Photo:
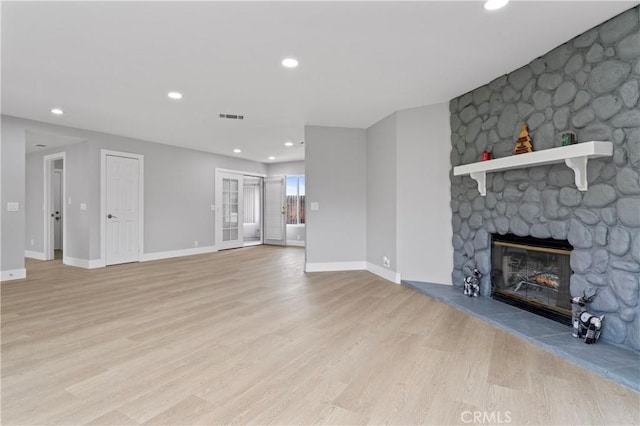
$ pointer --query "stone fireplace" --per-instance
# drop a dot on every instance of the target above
(589, 85)
(532, 273)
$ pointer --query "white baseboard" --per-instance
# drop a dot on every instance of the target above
(295, 243)
(96, 263)
(335, 266)
(13, 274)
(392, 276)
(83, 263)
(387, 274)
(146, 257)
(38, 255)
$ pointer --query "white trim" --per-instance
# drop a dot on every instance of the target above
(38, 255)
(240, 172)
(96, 263)
(48, 168)
(83, 263)
(387, 274)
(297, 243)
(335, 266)
(13, 274)
(103, 201)
(251, 243)
(281, 179)
(146, 257)
(574, 156)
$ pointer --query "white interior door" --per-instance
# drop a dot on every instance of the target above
(274, 211)
(57, 209)
(229, 210)
(122, 208)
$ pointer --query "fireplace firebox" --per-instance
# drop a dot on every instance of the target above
(533, 274)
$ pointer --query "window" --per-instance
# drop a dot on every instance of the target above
(295, 200)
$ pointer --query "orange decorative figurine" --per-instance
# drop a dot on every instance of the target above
(523, 144)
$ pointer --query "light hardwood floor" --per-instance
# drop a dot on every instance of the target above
(244, 336)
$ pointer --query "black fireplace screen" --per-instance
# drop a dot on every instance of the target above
(532, 271)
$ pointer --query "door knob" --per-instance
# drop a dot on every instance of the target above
(110, 216)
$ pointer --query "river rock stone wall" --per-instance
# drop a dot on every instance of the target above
(589, 85)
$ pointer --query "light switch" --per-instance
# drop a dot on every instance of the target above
(213, 207)
(13, 207)
(315, 206)
(69, 200)
(83, 206)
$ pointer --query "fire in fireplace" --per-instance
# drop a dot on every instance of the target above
(533, 274)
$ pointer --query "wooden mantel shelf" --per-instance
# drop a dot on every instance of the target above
(574, 156)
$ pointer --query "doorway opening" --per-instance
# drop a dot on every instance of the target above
(55, 228)
(240, 209)
(296, 194)
(252, 210)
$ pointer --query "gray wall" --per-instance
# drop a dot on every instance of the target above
(588, 85)
(33, 204)
(398, 194)
(12, 174)
(287, 168)
(179, 190)
(335, 167)
(381, 191)
(425, 252)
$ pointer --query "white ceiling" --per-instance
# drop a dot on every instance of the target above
(109, 65)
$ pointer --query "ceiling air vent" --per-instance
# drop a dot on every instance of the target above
(39, 145)
(232, 116)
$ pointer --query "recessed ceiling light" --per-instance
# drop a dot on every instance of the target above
(272, 158)
(57, 111)
(288, 144)
(237, 151)
(174, 95)
(290, 63)
(495, 4)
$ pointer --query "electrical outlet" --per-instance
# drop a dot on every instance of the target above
(195, 244)
(33, 242)
(386, 262)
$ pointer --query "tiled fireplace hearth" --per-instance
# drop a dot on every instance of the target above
(591, 86)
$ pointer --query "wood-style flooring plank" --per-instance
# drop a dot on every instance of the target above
(246, 337)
